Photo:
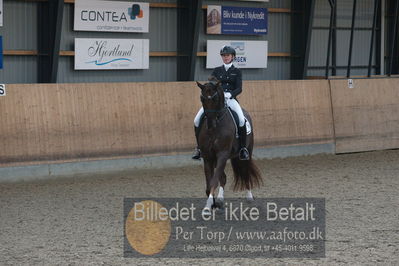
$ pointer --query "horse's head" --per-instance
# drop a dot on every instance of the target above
(212, 96)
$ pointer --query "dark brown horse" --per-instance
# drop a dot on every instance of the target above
(218, 143)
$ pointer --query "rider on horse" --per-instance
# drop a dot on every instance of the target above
(231, 82)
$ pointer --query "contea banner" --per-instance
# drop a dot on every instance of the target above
(236, 20)
(111, 53)
(249, 54)
(91, 15)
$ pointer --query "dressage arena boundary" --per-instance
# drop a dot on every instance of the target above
(88, 168)
(76, 122)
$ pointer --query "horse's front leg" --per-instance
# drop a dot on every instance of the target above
(208, 169)
(220, 198)
(218, 175)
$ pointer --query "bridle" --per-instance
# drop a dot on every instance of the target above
(220, 113)
(209, 97)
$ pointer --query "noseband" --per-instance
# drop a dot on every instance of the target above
(209, 97)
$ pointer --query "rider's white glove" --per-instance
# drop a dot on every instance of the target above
(227, 95)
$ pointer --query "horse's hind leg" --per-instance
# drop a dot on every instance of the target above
(250, 197)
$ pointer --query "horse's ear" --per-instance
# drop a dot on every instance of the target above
(200, 85)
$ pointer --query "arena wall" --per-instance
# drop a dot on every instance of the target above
(46, 122)
(289, 112)
(71, 122)
(366, 114)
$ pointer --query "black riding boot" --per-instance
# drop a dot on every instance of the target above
(244, 154)
(197, 151)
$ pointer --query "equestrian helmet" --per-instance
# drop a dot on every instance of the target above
(228, 50)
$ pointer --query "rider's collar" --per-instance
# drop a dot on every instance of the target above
(227, 66)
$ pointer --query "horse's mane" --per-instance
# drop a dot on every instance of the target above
(213, 80)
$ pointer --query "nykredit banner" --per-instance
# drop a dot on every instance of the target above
(249, 54)
(111, 53)
(91, 15)
(236, 20)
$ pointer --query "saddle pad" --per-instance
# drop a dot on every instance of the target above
(249, 129)
(236, 120)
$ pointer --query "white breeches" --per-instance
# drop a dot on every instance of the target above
(197, 118)
(233, 104)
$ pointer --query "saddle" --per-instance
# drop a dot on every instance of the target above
(236, 122)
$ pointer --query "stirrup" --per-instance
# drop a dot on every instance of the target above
(244, 154)
(197, 154)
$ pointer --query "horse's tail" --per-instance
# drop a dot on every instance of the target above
(246, 174)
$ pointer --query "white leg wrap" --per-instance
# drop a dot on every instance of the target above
(221, 193)
(249, 195)
(209, 202)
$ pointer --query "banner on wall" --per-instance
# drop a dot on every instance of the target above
(249, 54)
(1, 52)
(236, 20)
(111, 54)
(93, 15)
(1, 13)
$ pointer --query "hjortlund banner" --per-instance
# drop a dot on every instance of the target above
(111, 53)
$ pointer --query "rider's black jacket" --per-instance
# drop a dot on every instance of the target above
(231, 79)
